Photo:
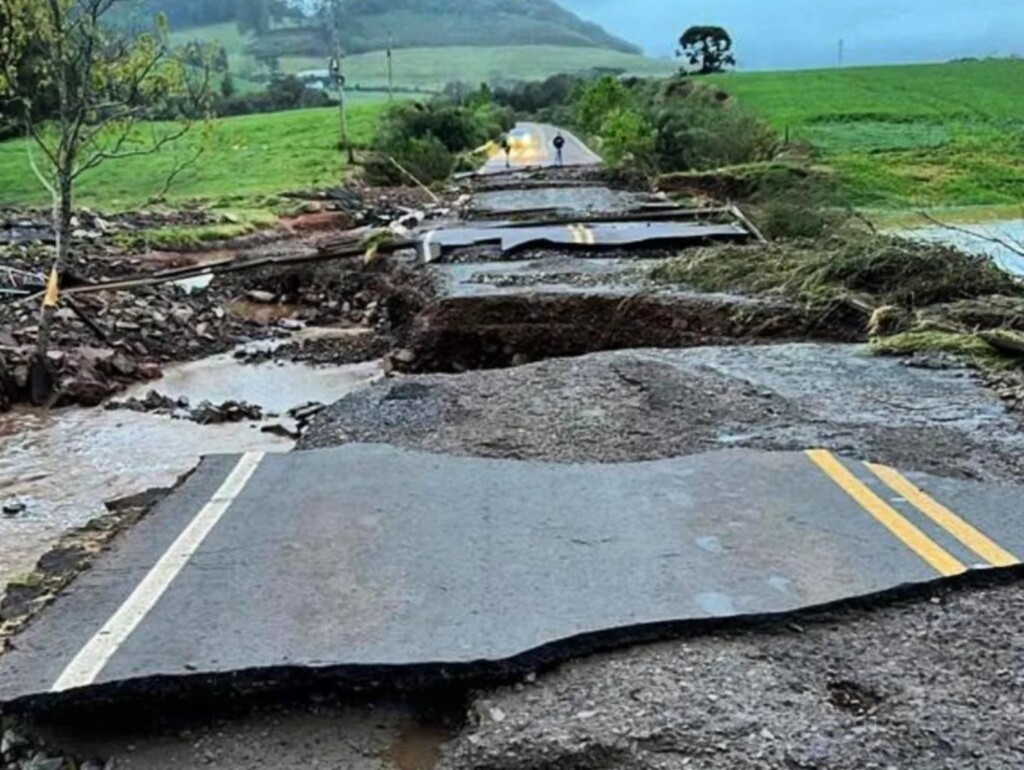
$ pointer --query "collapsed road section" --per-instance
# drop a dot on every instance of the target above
(370, 560)
(625, 496)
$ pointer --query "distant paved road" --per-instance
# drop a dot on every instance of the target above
(532, 146)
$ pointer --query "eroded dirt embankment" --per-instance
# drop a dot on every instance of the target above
(464, 333)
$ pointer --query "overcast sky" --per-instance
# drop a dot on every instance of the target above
(806, 33)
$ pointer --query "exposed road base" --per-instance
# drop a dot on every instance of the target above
(500, 326)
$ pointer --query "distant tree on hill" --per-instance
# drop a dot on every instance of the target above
(227, 86)
(707, 48)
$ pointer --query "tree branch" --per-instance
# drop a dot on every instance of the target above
(1017, 247)
(116, 154)
(35, 169)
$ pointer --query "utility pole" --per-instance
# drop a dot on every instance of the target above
(391, 72)
(842, 45)
(338, 74)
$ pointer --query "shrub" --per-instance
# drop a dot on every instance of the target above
(627, 139)
(696, 130)
(599, 99)
(287, 93)
(427, 139)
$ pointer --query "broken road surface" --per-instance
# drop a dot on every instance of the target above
(491, 522)
(373, 559)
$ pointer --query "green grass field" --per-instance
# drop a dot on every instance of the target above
(904, 137)
(248, 156)
(433, 68)
(900, 138)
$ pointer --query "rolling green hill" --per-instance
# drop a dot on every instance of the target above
(908, 136)
(900, 138)
(433, 68)
(367, 25)
(372, 25)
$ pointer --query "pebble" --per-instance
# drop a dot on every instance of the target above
(14, 507)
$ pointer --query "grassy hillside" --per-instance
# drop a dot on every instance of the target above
(433, 68)
(368, 24)
(904, 137)
(249, 155)
(901, 138)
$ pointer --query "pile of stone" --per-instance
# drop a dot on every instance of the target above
(206, 413)
(84, 375)
(87, 226)
(19, 752)
(117, 338)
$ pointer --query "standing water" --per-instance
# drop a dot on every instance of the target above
(1009, 255)
(65, 464)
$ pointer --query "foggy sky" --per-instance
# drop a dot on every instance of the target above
(805, 33)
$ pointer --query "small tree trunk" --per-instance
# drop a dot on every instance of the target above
(62, 226)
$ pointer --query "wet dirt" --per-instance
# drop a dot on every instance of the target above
(375, 736)
(418, 747)
(484, 332)
(262, 312)
(65, 464)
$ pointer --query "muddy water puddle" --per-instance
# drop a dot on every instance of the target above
(65, 464)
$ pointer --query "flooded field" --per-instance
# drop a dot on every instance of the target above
(1007, 254)
(64, 464)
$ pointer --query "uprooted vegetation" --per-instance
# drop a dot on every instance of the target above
(878, 269)
(914, 297)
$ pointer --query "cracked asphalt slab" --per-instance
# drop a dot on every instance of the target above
(447, 566)
(930, 682)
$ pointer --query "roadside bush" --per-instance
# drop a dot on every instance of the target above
(425, 157)
(697, 130)
(428, 139)
(627, 139)
(693, 127)
(596, 101)
(287, 93)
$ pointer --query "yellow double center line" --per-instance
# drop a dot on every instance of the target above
(582, 235)
(906, 532)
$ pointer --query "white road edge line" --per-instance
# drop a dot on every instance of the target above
(89, 662)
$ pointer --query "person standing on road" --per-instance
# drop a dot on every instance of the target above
(506, 147)
(559, 146)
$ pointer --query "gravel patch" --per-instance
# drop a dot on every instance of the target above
(638, 405)
(931, 684)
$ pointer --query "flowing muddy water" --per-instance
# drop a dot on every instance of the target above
(65, 464)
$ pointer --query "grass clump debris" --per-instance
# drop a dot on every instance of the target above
(879, 270)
